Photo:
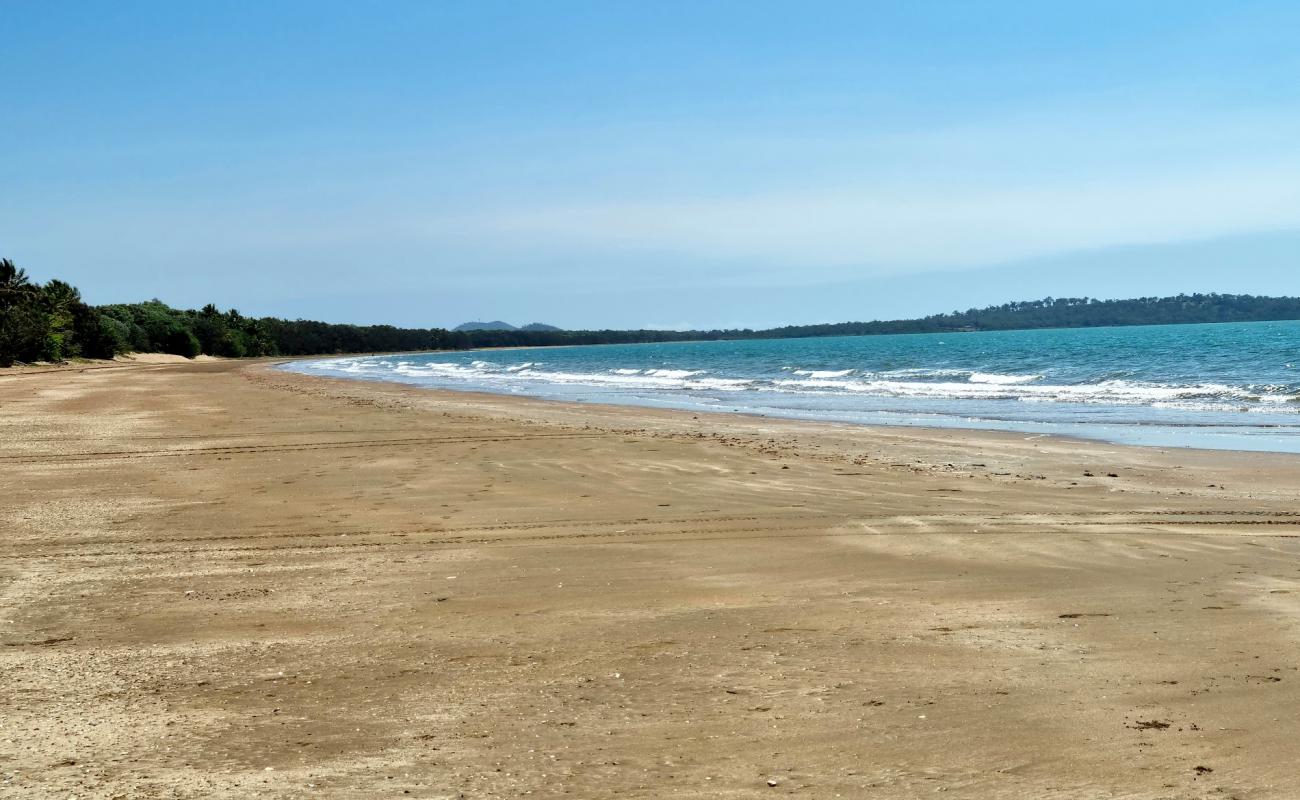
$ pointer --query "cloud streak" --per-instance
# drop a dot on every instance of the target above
(945, 223)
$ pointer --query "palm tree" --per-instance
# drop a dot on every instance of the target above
(60, 294)
(13, 280)
(22, 323)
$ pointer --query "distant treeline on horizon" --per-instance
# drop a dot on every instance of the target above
(50, 322)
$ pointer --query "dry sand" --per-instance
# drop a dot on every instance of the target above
(217, 580)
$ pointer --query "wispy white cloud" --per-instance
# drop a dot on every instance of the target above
(944, 223)
(1084, 174)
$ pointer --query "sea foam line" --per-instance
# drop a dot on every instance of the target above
(977, 386)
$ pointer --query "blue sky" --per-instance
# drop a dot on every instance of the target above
(649, 164)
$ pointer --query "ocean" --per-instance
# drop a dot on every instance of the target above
(1222, 386)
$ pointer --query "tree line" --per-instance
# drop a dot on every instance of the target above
(1071, 312)
(50, 322)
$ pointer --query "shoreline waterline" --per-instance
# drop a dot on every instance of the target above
(1231, 388)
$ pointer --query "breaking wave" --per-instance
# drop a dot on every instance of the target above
(940, 384)
(1237, 385)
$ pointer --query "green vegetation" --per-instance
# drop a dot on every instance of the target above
(1072, 312)
(46, 323)
(51, 323)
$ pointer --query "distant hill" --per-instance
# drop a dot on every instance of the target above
(497, 325)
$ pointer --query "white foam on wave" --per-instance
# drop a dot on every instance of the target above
(1209, 396)
(433, 368)
(923, 372)
(650, 379)
(820, 383)
(725, 384)
(485, 373)
(825, 373)
(1001, 380)
(910, 383)
(351, 366)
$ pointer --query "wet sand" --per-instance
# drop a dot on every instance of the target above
(218, 580)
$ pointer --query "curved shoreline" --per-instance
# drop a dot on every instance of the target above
(1272, 438)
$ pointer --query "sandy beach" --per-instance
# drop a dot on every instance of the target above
(221, 580)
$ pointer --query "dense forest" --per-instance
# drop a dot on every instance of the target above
(50, 322)
(1071, 312)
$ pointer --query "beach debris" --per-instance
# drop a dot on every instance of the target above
(773, 782)
(1149, 725)
(40, 642)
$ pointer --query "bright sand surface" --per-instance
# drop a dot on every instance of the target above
(218, 580)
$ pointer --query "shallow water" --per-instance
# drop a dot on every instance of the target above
(1228, 386)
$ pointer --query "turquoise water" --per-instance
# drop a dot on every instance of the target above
(1233, 386)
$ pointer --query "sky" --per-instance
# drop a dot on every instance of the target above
(649, 164)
